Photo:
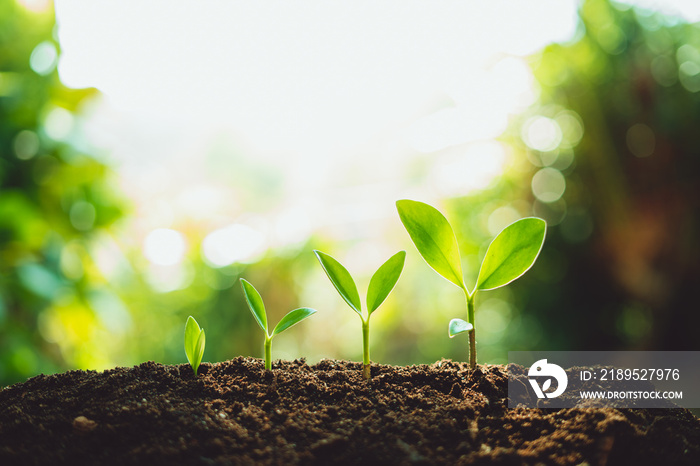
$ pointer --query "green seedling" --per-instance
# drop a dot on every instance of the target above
(194, 343)
(257, 308)
(510, 255)
(381, 284)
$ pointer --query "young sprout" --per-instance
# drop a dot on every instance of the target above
(381, 284)
(257, 308)
(510, 254)
(194, 343)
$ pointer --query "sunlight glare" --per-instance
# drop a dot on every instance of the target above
(302, 74)
(167, 278)
(338, 95)
(464, 170)
(482, 102)
(201, 202)
(293, 225)
(36, 6)
(164, 246)
(234, 243)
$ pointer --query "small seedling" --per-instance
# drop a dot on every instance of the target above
(194, 343)
(257, 308)
(381, 284)
(510, 255)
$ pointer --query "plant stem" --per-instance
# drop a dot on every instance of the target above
(268, 353)
(365, 349)
(472, 334)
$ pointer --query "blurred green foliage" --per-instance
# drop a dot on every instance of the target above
(76, 290)
(621, 260)
(609, 157)
(53, 200)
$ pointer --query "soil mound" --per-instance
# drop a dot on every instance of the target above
(235, 412)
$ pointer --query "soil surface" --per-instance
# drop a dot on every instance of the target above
(235, 412)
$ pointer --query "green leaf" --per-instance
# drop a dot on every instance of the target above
(458, 326)
(384, 280)
(191, 334)
(194, 343)
(341, 279)
(511, 253)
(199, 351)
(255, 303)
(433, 237)
(292, 318)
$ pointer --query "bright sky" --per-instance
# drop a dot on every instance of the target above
(317, 90)
(297, 75)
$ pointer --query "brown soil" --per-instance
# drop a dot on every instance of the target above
(236, 413)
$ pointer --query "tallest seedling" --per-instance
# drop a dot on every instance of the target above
(509, 255)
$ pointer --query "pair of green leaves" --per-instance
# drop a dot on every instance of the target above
(195, 340)
(257, 308)
(510, 254)
(380, 285)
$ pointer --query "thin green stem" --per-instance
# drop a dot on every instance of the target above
(365, 348)
(472, 334)
(268, 353)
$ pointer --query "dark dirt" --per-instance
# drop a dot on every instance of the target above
(236, 413)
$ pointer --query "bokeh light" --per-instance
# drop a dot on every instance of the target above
(164, 247)
(542, 134)
(641, 140)
(548, 185)
(44, 58)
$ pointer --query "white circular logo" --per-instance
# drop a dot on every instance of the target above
(542, 369)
